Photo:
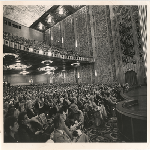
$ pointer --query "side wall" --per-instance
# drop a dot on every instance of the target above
(25, 32)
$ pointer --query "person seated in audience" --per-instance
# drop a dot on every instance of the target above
(37, 105)
(12, 112)
(73, 102)
(21, 107)
(30, 112)
(112, 103)
(25, 133)
(10, 129)
(62, 133)
(78, 117)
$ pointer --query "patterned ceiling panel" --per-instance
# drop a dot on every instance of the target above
(24, 14)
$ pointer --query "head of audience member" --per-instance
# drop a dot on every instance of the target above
(21, 107)
(6, 106)
(74, 100)
(75, 109)
(63, 111)
(59, 122)
(17, 105)
(23, 118)
(12, 112)
(11, 125)
(29, 104)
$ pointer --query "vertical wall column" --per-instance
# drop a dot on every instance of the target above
(75, 33)
(93, 44)
(62, 33)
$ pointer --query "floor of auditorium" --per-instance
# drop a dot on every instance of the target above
(108, 132)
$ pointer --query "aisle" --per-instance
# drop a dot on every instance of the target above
(105, 133)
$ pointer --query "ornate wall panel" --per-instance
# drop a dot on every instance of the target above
(68, 34)
(143, 24)
(103, 47)
(69, 76)
(56, 37)
(127, 41)
(86, 73)
(136, 20)
(47, 37)
(83, 32)
(110, 38)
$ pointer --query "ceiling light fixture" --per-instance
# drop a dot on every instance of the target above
(18, 66)
(40, 26)
(49, 72)
(18, 61)
(24, 72)
(61, 10)
(47, 68)
(46, 61)
(49, 19)
(8, 54)
(75, 64)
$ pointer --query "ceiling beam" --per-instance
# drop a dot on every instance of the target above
(51, 10)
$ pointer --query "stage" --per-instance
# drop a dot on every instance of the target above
(132, 115)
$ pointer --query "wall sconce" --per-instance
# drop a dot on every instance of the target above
(78, 75)
(95, 73)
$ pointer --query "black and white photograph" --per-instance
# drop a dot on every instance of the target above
(74, 73)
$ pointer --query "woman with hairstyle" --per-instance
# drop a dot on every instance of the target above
(11, 128)
(12, 112)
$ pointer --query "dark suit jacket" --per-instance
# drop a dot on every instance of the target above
(30, 114)
(25, 134)
(61, 138)
(10, 139)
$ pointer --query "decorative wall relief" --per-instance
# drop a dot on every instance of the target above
(110, 38)
(125, 32)
(83, 32)
(56, 36)
(68, 34)
(127, 40)
(103, 47)
(138, 30)
(47, 37)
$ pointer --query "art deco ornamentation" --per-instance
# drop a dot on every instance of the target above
(102, 43)
(56, 33)
(83, 32)
(68, 34)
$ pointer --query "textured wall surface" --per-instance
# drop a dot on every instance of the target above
(102, 45)
(127, 42)
(20, 79)
(110, 34)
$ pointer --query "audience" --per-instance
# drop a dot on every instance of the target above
(68, 109)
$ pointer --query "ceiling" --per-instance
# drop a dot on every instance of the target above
(24, 14)
(39, 17)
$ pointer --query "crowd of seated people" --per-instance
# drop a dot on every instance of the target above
(56, 113)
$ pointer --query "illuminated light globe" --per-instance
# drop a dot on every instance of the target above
(75, 64)
(24, 72)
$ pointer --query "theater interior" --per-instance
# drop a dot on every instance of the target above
(74, 73)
